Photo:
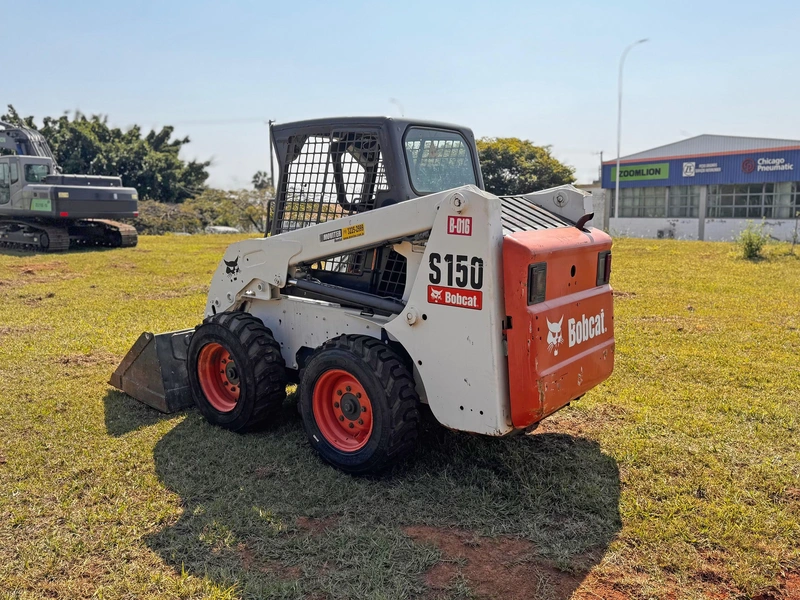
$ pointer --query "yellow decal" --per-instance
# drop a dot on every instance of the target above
(63, 194)
(352, 231)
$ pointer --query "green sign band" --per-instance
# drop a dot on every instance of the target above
(641, 172)
(41, 204)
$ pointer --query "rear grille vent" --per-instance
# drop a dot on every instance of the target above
(520, 214)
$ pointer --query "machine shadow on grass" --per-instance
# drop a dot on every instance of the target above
(263, 514)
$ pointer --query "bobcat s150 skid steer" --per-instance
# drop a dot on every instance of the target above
(390, 278)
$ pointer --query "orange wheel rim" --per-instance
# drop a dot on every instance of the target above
(219, 377)
(342, 410)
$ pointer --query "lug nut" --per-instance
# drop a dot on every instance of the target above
(339, 392)
(341, 418)
(361, 421)
(351, 425)
(348, 388)
(363, 409)
(335, 405)
(358, 395)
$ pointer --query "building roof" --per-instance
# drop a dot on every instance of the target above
(710, 145)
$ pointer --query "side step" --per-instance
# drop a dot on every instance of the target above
(154, 371)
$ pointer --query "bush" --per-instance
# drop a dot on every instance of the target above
(157, 218)
(752, 240)
(242, 209)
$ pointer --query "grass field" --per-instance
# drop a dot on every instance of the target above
(677, 478)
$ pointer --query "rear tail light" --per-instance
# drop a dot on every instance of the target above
(603, 267)
(136, 213)
(537, 283)
(63, 214)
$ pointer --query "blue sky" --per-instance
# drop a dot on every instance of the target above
(545, 71)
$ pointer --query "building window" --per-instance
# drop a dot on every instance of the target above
(785, 202)
(684, 201)
(648, 202)
(754, 201)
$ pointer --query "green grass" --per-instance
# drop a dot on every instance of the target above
(679, 476)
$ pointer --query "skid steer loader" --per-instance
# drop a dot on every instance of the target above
(390, 278)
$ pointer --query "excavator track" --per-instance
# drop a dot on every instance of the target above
(24, 235)
(48, 237)
(128, 237)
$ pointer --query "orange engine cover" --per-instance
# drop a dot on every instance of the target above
(560, 348)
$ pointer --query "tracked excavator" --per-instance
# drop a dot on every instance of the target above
(43, 209)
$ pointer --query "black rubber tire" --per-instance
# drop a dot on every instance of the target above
(390, 387)
(260, 364)
(44, 241)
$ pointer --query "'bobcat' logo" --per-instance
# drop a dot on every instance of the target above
(436, 294)
(554, 337)
(231, 268)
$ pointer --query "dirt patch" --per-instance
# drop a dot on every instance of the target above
(125, 266)
(501, 567)
(39, 273)
(317, 526)
(624, 295)
(169, 294)
(100, 357)
(579, 423)
(787, 589)
(272, 567)
(271, 471)
(9, 330)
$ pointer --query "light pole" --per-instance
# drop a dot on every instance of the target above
(619, 120)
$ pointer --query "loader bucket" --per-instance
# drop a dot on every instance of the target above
(154, 371)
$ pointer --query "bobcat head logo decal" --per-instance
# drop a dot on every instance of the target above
(554, 337)
(231, 268)
(436, 294)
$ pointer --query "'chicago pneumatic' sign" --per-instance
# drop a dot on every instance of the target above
(766, 164)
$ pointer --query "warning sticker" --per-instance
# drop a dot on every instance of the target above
(448, 296)
(337, 235)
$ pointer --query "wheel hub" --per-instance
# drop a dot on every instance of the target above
(342, 410)
(351, 408)
(219, 377)
(231, 373)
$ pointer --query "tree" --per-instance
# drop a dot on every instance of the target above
(148, 162)
(512, 166)
(261, 180)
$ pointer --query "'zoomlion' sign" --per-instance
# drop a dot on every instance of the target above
(641, 172)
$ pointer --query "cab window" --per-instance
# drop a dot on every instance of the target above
(5, 191)
(36, 173)
(438, 160)
(14, 169)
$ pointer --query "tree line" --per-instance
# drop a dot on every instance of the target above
(174, 192)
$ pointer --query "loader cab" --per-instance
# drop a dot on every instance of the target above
(333, 168)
